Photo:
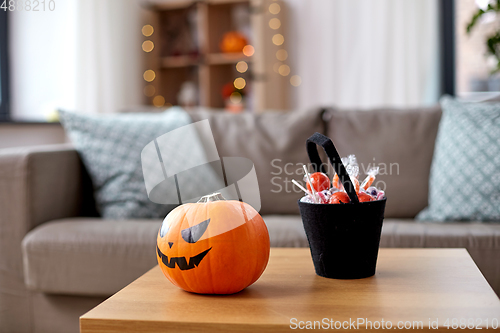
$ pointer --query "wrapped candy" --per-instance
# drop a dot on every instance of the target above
(380, 195)
(372, 191)
(319, 191)
(370, 178)
(336, 183)
(307, 198)
(322, 198)
(351, 165)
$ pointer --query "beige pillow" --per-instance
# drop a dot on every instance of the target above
(401, 140)
(271, 140)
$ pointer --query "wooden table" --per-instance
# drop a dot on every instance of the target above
(411, 287)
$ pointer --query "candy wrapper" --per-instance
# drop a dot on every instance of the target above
(318, 189)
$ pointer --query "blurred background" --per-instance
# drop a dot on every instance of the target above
(107, 56)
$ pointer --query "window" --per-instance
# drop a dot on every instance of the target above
(4, 74)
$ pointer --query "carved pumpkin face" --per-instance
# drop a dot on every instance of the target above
(214, 247)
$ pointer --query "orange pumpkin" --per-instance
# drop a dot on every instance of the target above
(214, 246)
(232, 42)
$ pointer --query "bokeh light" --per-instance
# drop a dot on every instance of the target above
(274, 8)
(235, 97)
(239, 83)
(148, 46)
(248, 50)
(149, 90)
(276, 66)
(241, 66)
(159, 101)
(147, 30)
(281, 55)
(149, 75)
(274, 23)
(295, 80)
(284, 70)
(278, 39)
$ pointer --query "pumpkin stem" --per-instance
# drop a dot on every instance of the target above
(211, 197)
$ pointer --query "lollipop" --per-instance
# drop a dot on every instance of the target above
(319, 181)
(339, 197)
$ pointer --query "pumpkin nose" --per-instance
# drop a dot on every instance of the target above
(170, 244)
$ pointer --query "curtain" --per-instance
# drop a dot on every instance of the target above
(108, 57)
(364, 53)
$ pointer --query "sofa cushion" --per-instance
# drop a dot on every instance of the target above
(86, 256)
(465, 175)
(110, 147)
(274, 142)
(400, 142)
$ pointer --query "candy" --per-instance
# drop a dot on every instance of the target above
(336, 183)
(368, 181)
(319, 191)
(326, 194)
(333, 190)
(372, 191)
(364, 197)
(319, 181)
(307, 199)
(322, 198)
(380, 195)
(351, 165)
(339, 197)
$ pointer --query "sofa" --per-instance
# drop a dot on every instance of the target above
(59, 259)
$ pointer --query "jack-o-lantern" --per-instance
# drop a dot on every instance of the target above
(214, 246)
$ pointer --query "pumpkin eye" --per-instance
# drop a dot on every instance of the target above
(194, 233)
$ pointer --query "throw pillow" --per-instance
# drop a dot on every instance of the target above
(465, 174)
(110, 147)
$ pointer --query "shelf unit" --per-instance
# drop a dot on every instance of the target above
(200, 59)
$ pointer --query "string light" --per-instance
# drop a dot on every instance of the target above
(284, 70)
(149, 90)
(235, 97)
(239, 83)
(159, 101)
(241, 66)
(248, 50)
(278, 39)
(281, 55)
(274, 8)
(295, 80)
(147, 30)
(148, 46)
(274, 23)
(149, 75)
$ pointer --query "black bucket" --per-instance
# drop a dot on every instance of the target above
(344, 238)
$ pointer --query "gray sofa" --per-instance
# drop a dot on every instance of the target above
(59, 259)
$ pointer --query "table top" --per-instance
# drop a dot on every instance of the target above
(412, 287)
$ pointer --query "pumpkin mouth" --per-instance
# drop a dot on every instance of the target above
(181, 262)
